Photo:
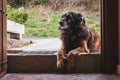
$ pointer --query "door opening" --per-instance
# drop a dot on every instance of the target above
(109, 31)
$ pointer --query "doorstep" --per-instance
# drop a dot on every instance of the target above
(46, 63)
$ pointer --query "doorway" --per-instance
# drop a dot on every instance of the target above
(43, 22)
(109, 59)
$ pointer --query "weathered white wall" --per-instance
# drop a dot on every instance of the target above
(15, 27)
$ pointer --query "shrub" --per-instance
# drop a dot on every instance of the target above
(9, 8)
(13, 2)
(18, 16)
(26, 2)
(58, 4)
(87, 4)
(41, 1)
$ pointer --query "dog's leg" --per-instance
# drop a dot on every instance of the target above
(61, 61)
(70, 60)
(85, 46)
(71, 57)
(96, 45)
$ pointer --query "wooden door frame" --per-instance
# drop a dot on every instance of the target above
(109, 33)
(3, 51)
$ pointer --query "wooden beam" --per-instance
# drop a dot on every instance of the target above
(3, 51)
(109, 30)
(1, 25)
(4, 35)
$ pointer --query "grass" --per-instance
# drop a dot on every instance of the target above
(93, 24)
(43, 22)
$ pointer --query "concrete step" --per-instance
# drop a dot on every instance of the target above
(46, 63)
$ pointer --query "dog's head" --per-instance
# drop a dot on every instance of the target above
(71, 22)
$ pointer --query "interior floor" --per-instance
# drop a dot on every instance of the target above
(33, 76)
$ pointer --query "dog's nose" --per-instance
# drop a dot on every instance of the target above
(61, 23)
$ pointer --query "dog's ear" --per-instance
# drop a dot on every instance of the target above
(81, 18)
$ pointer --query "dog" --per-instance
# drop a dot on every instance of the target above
(77, 38)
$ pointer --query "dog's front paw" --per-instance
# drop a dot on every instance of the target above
(70, 62)
(87, 50)
(70, 65)
(61, 65)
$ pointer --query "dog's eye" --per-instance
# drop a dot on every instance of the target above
(80, 19)
(68, 16)
(63, 15)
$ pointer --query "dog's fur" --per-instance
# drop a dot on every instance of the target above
(77, 38)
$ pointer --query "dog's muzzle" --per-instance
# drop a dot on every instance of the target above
(63, 25)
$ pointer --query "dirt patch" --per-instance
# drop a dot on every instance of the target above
(13, 43)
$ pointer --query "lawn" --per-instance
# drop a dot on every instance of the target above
(44, 22)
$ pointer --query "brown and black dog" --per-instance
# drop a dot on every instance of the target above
(77, 38)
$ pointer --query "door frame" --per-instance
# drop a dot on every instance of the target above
(3, 45)
(109, 34)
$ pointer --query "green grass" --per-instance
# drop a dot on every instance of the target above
(43, 26)
(90, 21)
(43, 22)
(31, 25)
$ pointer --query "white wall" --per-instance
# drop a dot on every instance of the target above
(15, 27)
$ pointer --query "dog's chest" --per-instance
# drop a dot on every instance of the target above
(72, 44)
